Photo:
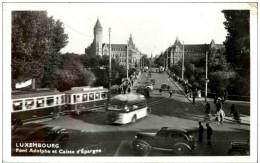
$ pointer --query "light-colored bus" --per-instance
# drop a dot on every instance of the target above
(80, 99)
(127, 108)
(31, 105)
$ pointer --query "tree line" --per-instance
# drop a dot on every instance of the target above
(36, 43)
(227, 70)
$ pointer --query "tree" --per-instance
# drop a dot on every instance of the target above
(36, 40)
(237, 41)
(237, 45)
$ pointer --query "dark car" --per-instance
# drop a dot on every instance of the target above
(40, 133)
(239, 149)
(177, 140)
(164, 87)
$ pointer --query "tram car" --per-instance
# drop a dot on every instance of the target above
(81, 99)
(29, 105)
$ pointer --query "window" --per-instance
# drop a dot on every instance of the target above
(85, 97)
(68, 99)
(177, 136)
(103, 95)
(17, 105)
(74, 98)
(40, 102)
(91, 96)
(161, 134)
(50, 101)
(62, 99)
(29, 103)
(57, 100)
(78, 98)
(97, 96)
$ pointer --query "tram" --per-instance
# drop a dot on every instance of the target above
(29, 105)
(81, 99)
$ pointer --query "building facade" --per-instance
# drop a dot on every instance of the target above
(195, 51)
(119, 52)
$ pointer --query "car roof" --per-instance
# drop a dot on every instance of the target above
(173, 130)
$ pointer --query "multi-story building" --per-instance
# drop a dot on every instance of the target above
(196, 51)
(119, 52)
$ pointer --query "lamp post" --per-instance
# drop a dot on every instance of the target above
(109, 86)
(182, 74)
(127, 61)
(206, 80)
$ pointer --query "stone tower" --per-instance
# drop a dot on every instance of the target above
(98, 31)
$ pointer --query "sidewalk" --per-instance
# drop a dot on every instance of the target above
(244, 119)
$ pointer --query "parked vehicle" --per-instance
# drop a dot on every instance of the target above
(146, 68)
(141, 89)
(153, 81)
(81, 99)
(177, 140)
(239, 149)
(164, 87)
(161, 69)
(127, 108)
(31, 105)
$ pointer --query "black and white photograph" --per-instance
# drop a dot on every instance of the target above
(128, 82)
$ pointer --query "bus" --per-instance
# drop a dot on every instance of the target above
(127, 108)
(161, 69)
(29, 105)
(81, 99)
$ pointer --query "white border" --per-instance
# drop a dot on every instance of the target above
(8, 7)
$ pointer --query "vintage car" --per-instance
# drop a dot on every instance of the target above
(239, 149)
(179, 141)
(39, 133)
(164, 87)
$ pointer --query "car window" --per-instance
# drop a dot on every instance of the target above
(161, 134)
(177, 136)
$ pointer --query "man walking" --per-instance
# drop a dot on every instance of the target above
(201, 131)
(170, 94)
(209, 133)
(193, 97)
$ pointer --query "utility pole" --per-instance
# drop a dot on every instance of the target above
(206, 80)
(110, 76)
(167, 59)
(182, 74)
(127, 61)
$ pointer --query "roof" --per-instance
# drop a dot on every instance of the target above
(98, 25)
(174, 129)
(131, 97)
(196, 47)
(34, 93)
(86, 90)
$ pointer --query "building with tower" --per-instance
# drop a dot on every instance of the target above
(195, 51)
(119, 52)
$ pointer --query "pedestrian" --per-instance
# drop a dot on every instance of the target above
(160, 90)
(170, 94)
(222, 116)
(232, 109)
(168, 87)
(193, 97)
(207, 107)
(119, 90)
(199, 93)
(215, 99)
(201, 131)
(217, 117)
(218, 105)
(209, 133)
(236, 116)
(128, 89)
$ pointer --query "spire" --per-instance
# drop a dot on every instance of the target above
(131, 40)
(177, 39)
(212, 44)
(98, 25)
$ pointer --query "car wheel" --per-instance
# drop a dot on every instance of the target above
(133, 119)
(236, 153)
(180, 149)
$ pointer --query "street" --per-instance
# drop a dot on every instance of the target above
(90, 131)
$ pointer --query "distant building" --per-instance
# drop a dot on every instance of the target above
(118, 51)
(196, 51)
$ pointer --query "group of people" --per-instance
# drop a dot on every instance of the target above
(201, 132)
(220, 114)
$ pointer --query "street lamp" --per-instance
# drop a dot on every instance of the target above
(206, 80)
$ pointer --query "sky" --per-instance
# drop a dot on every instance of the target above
(154, 26)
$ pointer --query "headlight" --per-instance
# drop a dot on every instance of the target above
(191, 137)
(135, 136)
